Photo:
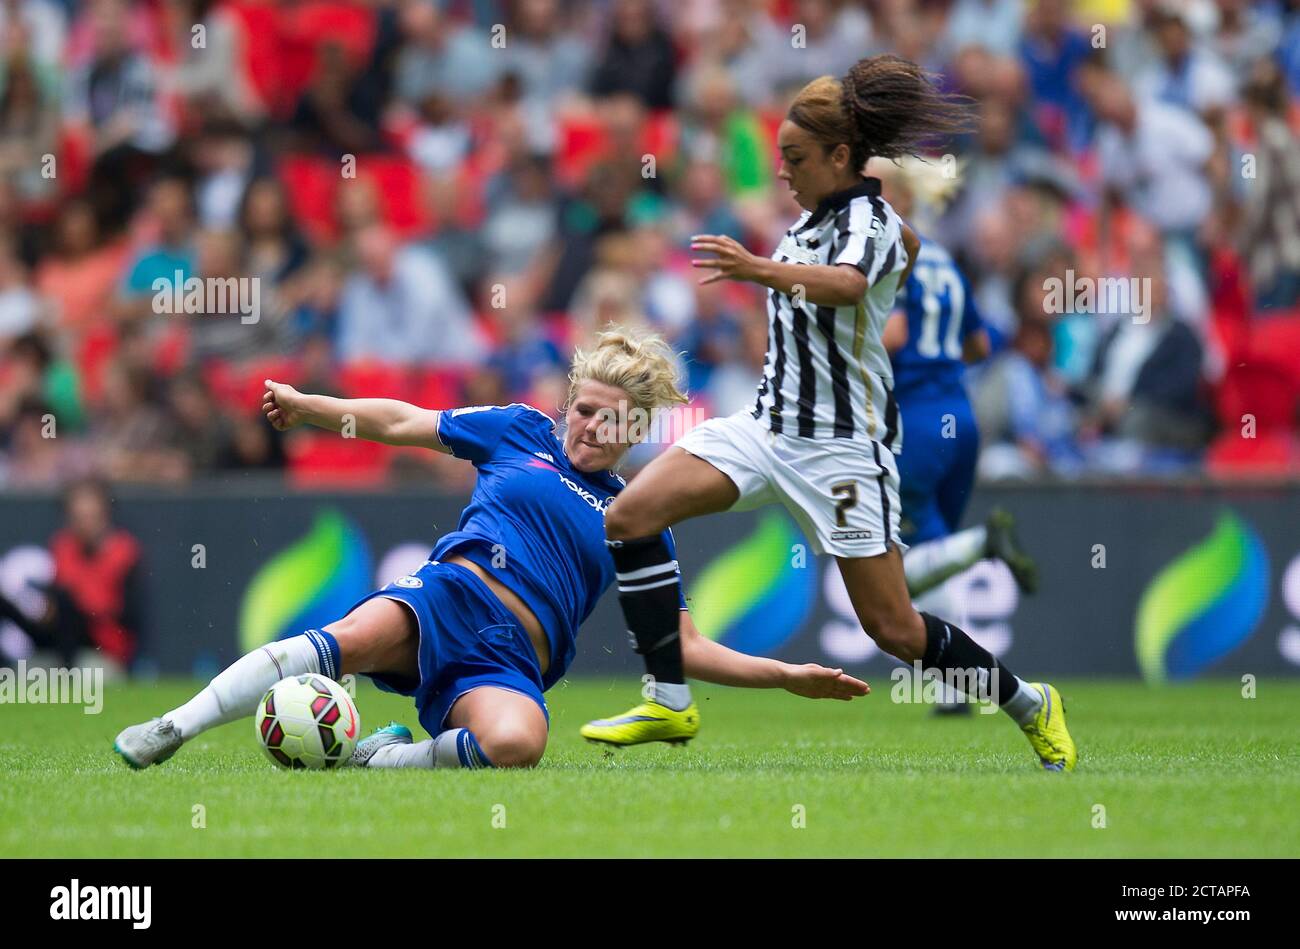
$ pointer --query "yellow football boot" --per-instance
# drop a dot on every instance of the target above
(649, 721)
(1048, 734)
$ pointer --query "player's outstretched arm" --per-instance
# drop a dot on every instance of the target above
(713, 662)
(389, 421)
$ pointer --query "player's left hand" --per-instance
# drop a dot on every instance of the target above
(731, 260)
(817, 682)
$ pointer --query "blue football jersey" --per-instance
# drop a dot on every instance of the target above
(534, 521)
(941, 313)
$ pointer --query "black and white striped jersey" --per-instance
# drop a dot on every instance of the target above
(827, 374)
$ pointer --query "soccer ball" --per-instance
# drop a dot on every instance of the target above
(307, 721)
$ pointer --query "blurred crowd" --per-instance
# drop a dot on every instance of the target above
(438, 199)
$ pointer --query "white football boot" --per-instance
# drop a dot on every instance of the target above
(151, 742)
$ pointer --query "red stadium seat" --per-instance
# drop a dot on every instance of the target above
(371, 380)
(75, 154)
(401, 192)
(1275, 453)
(662, 134)
(324, 459)
(301, 28)
(253, 376)
(238, 388)
(261, 43)
(94, 352)
(310, 182)
(1276, 338)
(437, 388)
(1266, 390)
(581, 140)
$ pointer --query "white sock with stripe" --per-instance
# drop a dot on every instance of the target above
(235, 692)
(454, 748)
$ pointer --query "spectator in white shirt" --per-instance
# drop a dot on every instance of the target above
(402, 306)
(1186, 74)
(1153, 155)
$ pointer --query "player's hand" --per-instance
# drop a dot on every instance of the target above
(817, 682)
(282, 405)
(730, 261)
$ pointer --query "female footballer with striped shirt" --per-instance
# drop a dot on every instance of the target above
(822, 435)
(489, 623)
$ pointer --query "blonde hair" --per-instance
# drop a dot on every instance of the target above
(931, 184)
(641, 364)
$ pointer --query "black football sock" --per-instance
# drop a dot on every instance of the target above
(649, 591)
(960, 659)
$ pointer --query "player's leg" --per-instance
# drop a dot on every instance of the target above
(941, 601)
(851, 499)
(878, 591)
(675, 486)
(379, 635)
(936, 472)
(488, 727)
(715, 467)
(947, 551)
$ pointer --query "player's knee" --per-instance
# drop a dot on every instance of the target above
(349, 633)
(901, 633)
(512, 746)
(624, 522)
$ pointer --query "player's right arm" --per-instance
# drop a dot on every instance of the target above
(711, 661)
(389, 421)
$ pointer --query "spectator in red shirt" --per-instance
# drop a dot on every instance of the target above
(94, 601)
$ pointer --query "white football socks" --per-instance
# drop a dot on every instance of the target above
(234, 693)
(928, 564)
(673, 695)
(454, 748)
(420, 754)
(1023, 706)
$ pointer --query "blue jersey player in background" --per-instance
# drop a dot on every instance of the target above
(478, 633)
(931, 337)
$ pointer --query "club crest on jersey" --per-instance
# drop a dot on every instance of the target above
(411, 583)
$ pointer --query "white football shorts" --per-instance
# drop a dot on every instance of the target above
(842, 492)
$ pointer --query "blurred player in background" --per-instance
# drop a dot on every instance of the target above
(935, 332)
(478, 633)
(821, 437)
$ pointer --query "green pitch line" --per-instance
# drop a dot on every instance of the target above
(1181, 772)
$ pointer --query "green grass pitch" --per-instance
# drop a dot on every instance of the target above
(1185, 771)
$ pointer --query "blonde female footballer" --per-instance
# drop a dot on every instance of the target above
(478, 633)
